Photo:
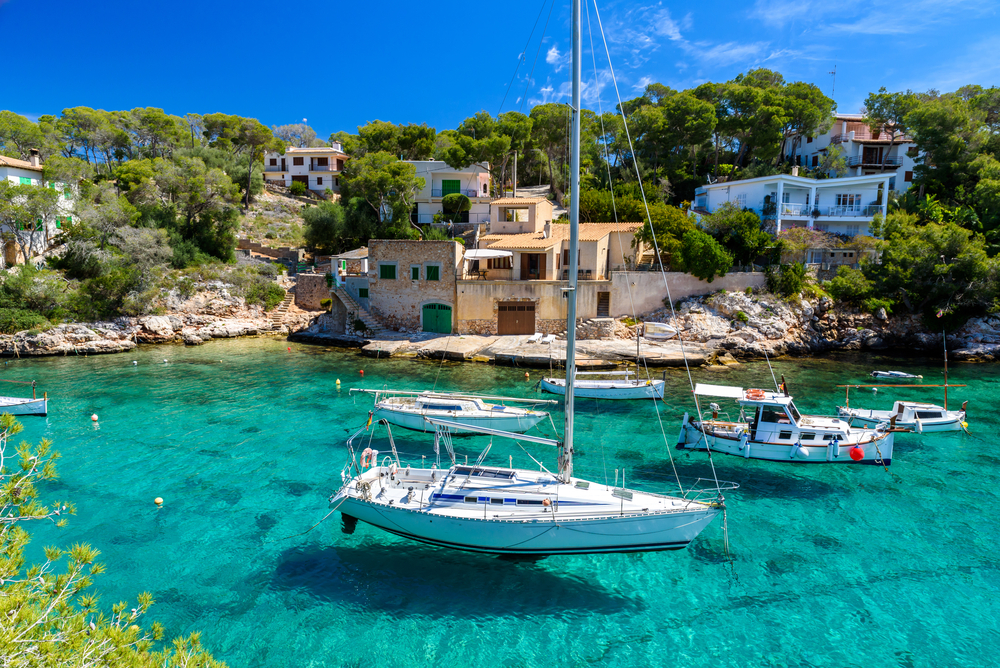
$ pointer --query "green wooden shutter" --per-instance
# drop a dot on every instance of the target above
(433, 273)
(362, 293)
(450, 186)
(25, 181)
(415, 274)
(387, 271)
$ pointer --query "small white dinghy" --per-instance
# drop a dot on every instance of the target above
(408, 409)
(627, 388)
(912, 415)
(658, 331)
(23, 405)
(895, 375)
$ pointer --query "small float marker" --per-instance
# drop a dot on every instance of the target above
(165, 362)
(289, 350)
(134, 363)
(94, 417)
(526, 376)
(362, 373)
(158, 501)
(338, 382)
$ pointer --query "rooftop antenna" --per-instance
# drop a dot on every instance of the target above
(833, 89)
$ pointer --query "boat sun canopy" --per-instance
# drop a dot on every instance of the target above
(729, 391)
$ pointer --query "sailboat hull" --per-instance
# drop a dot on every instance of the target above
(517, 423)
(606, 389)
(19, 406)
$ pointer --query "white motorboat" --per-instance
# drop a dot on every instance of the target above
(520, 511)
(895, 375)
(627, 388)
(23, 405)
(770, 427)
(658, 331)
(408, 409)
(911, 415)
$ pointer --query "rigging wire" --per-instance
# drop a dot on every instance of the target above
(521, 57)
(524, 96)
(659, 258)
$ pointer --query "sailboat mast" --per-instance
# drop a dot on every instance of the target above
(944, 338)
(574, 244)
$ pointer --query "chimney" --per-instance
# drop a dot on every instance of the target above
(795, 170)
(34, 158)
(547, 230)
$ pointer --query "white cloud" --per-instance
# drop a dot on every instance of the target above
(641, 84)
(666, 26)
(553, 56)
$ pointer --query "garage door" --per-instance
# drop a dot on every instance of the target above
(516, 318)
(437, 318)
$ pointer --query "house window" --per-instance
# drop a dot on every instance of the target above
(319, 180)
(322, 162)
(340, 165)
(849, 202)
(298, 161)
(786, 198)
(362, 293)
(853, 230)
(433, 272)
(336, 182)
(907, 176)
(741, 200)
(809, 140)
(387, 271)
(815, 161)
(414, 273)
(25, 181)
(273, 162)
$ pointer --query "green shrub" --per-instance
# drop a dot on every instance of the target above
(849, 286)
(297, 188)
(742, 317)
(266, 293)
(786, 280)
(749, 290)
(326, 304)
(360, 326)
(873, 304)
(13, 320)
(703, 257)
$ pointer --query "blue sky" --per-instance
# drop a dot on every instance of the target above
(341, 64)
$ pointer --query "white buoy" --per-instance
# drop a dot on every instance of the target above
(134, 363)
(165, 361)
(158, 501)
(94, 417)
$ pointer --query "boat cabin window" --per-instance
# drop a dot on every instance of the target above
(794, 412)
(784, 435)
(492, 500)
(807, 437)
(774, 415)
(441, 407)
(472, 499)
(507, 474)
(529, 502)
(925, 415)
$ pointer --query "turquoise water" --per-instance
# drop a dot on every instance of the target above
(831, 566)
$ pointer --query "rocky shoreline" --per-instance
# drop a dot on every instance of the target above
(725, 326)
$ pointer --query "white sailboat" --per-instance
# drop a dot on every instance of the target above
(770, 427)
(910, 415)
(23, 405)
(501, 510)
(626, 388)
(409, 409)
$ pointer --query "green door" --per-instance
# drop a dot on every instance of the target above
(449, 187)
(437, 318)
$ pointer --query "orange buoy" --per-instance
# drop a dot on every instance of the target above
(362, 372)
(526, 375)
(857, 454)
(94, 417)
(289, 350)
(158, 501)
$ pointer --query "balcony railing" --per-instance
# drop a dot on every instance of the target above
(438, 192)
(854, 210)
(488, 274)
(856, 160)
(792, 209)
(323, 168)
(274, 168)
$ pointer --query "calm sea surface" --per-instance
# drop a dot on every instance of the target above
(831, 566)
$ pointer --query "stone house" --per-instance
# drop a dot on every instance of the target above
(318, 168)
(411, 284)
(35, 236)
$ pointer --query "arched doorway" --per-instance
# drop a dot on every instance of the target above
(437, 318)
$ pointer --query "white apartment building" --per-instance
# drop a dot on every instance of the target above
(36, 235)
(863, 150)
(318, 167)
(841, 206)
(440, 180)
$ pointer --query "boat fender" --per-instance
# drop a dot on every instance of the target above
(836, 447)
(857, 454)
(795, 450)
(804, 453)
(920, 426)
(745, 445)
(366, 457)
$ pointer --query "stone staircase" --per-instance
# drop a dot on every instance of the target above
(375, 328)
(277, 316)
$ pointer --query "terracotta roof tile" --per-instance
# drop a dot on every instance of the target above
(560, 232)
(519, 200)
(20, 164)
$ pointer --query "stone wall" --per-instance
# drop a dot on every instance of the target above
(310, 290)
(283, 253)
(398, 302)
(645, 289)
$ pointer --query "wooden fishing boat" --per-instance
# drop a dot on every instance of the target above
(23, 405)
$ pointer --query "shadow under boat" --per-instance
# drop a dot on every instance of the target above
(406, 579)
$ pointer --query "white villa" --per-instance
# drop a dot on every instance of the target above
(39, 234)
(863, 150)
(842, 206)
(318, 167)
(440, 180)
